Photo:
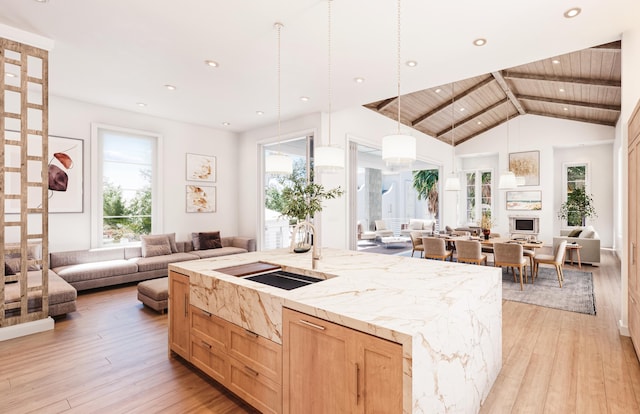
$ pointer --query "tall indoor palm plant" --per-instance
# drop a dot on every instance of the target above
(425, 182)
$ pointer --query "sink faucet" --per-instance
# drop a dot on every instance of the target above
(309, 228)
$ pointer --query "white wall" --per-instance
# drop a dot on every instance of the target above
(529, 133)
(69, 118)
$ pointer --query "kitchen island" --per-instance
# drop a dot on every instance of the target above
(445, 318)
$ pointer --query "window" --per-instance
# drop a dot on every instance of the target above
(575, 175)
(479, 196)
(125, 175)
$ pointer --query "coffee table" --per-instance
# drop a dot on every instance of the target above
(387, 241)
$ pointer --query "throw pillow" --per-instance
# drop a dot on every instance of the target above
(587, 234)
(155, 246)
(171, 237)
(206, 240)
(8, 272)
(415, 225)
(574, 233)
(34, 252)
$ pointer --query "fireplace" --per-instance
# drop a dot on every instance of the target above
(524, 225)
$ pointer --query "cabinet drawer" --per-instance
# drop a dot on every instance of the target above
(209, 327)
(255, 388)
(257, 353)
(211, 360)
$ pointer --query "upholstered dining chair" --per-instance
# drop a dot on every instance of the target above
(416, 241)
(510, 255)
(556, 260)
(435, 248)
(470, 251)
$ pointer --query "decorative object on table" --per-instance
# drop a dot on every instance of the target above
(486, 222)
(578, 207)
(201, 199)
(527, 165)
(524, 200)
(201, 168)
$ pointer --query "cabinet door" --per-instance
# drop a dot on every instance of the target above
(379, 370)
(316, 374)
(179, 337)
(633, 214)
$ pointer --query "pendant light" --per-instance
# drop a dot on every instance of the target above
(453, 181)
(507, 178)
(328, 158)
(278, 163)
(399, 150)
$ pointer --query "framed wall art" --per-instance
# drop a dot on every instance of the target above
(201, 168)
(524, 200)
(527, 165)
(201, 199)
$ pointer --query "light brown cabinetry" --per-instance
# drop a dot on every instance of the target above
(329, 368)
(634, 226)
(179, 336)
(247, 364)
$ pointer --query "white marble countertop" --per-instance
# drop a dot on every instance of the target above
(447, 316)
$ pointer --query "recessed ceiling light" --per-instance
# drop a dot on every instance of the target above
(211, 63)
(358, 80)
(259, 113)
(41, 1)
(411, 63)
(565, 109)
(11, 75)
(480, 42)
(438, 90)
(304, 98)
(561, 90)
(479, 122)
(461, 109)
(572, 12)
(555, 61)
(170, 87)
(141, 104)
(226, 123)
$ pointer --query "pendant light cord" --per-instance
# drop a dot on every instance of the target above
(398, 63)
(329, 62)
(279, 28)
(453, 134)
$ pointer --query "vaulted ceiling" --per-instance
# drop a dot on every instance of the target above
(580, 86)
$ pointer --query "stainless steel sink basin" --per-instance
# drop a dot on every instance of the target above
(283, 280)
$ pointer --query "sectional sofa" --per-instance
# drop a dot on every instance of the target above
(588, 239)
(89, 269)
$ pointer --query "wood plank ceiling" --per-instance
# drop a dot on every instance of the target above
(580, 86)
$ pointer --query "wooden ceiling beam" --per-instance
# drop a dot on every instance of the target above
(615, 108)
(459, 96)
(385, 103)
(573, 118)
(471, 117)
(613, 46)
(482, 131)
(507, 90)
(566, 79)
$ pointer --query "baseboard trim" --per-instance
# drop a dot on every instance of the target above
(624, 329)
(27, 328)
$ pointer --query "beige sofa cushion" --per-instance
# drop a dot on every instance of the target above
(95, 270)
(145, 264)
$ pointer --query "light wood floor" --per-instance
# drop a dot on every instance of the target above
(111, 357)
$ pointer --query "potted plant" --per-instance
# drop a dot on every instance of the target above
(486, 222)
(300, 200)
(578, 207)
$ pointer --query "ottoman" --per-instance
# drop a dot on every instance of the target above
(154, 293)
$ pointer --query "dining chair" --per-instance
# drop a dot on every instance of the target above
(435, 248)
(556, 260)
(470, 251)
(416, 241)
(510, 255)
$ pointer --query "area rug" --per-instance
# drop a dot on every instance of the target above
(576, 294)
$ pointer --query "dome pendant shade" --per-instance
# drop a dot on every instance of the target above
(452, 183)
(328, 159)
(278, 163)
(507, 181)
(398, 150)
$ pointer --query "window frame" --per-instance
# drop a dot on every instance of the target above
(565, 184)
(96, 182)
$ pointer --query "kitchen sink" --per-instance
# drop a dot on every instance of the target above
(283, 280)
